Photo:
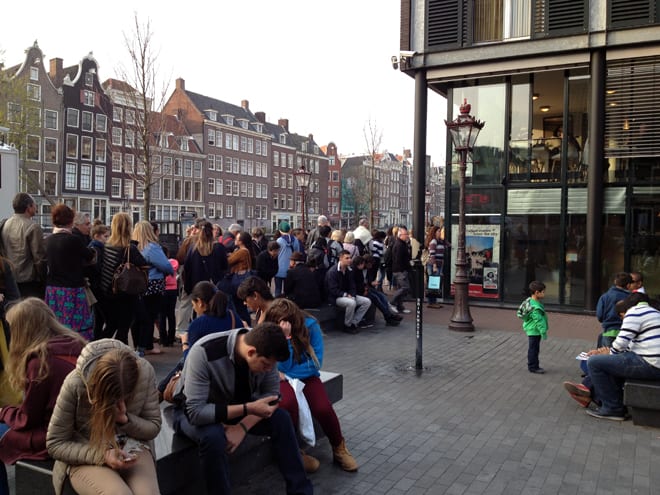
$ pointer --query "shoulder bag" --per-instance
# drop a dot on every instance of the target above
(128, 278)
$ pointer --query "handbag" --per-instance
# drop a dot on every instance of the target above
(128, 278)
(170, 388)
(305, 422)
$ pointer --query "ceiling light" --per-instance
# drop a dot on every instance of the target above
(545, 108)
(535, 96)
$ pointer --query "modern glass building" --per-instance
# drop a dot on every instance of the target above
(564, 182)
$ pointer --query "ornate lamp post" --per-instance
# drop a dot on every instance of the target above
(464, 131)
(302, 181)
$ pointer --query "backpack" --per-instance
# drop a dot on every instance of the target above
(387, 255)
(362, 249)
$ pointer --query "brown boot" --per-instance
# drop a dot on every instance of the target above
(343, 457)
(310, 464)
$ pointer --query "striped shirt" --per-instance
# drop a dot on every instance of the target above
(640, 333)
(376, 248)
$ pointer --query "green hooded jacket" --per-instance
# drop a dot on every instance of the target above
(535, 322)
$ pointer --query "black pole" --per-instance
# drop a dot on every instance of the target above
(419, 199)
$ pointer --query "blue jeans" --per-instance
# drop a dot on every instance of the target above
(381, 302)
(215, 461)
(279, 285)
(401, 279)
(608, 372)
(533, 352)
(4, 482)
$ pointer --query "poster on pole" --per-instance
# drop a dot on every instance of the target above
(482, 246)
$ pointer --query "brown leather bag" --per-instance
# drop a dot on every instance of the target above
(168, 394)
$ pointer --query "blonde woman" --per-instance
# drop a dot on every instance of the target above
(43, 352)
(119, 309)
(349, 245)
(149, 303)
(335, 247)
(305, 341)
(105, 419)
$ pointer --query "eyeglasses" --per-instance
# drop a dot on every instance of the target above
(636, 281)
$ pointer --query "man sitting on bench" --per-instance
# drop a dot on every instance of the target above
(230, 386)
(340, 284)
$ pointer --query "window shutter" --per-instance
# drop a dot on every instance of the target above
(623, 13)
(540, 17)
(567, 16)
(444, 23)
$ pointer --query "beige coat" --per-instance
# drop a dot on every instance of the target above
(68, 432)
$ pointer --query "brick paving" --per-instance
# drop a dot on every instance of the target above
(474, 421)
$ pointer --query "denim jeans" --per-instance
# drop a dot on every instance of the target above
(214, 459)
(403, 284)
(608, 372)
(380, 300)
(533, 352)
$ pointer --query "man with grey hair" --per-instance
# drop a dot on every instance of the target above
(314, 234)
(362, 231)
(229, 238)
(23, 245)
(81, 227)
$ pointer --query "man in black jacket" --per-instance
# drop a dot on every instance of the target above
(266, 262)
(400, 268)
(340, 284)
(301, 285)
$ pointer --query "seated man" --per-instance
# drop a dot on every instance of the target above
(266, 262)
(229, 387)
(366, 287)
(300, 284)
(340, 284)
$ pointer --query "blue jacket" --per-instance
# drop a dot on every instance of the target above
(160, 265)
(288, 244)
(605, 312)
(306, 367)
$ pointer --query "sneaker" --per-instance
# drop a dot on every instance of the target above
(310, 464)
(394, 310)
(580, 399)
(392, 322)
(396, 317)
(577, 389)
(538, 371)
(597, 413)
(344, 458)
(405, 311)
(352, 329)
(365, 324)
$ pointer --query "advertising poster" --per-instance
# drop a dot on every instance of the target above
(482, 246)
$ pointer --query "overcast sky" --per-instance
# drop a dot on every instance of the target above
(324, 65)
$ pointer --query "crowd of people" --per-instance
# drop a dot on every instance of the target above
(74, 384)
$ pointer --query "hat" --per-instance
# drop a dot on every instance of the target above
(284, 227)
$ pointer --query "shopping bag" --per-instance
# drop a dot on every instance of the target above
(305, 422)
(434, 282)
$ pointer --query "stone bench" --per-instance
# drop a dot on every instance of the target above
(331, 316)
(642, 397)
(177, 462)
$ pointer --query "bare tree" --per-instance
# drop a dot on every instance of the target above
(372, 138)
(144, 97)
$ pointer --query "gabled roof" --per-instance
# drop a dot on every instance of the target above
(162, 122)
(274, 130)
(118, 85)
(204, 103)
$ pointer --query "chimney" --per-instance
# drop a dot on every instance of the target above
(311, 137)
(245, 104)
(56, 69)
(284, 123)
(261, 116)
(181, 84)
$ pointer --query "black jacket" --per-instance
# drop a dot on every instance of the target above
(400, 257)
(302, 287)
(338, 283)
(266, 266)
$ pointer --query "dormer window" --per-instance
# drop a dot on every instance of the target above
(304, 147)
(164, 141)
(316, 149)
(229, 119)
(243, 123)
(259, 127)
(282, 138)
(89, 79)
(212, 115)
(34, 73)
(184, 144)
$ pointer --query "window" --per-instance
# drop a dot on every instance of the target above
(115, 187)
(139, 190)
(167, 188)
(235, 188)
(282, 138)
(72, 117)
(130, 116)
(211, 161)
(264, 191)
(88, 98)
(257, 146)
(184, 144)
(211, 189)
(234, 165)
(117, 113)
(496, 20)
(87, 121)
(218, 163)
(70, 176)
(289, 160)
(276, 197)
(264, 148)
(34, 73)
(250, 170)
(33, 117)
(116, 136)
(187, 168)
(100, 150)
(264, 170)
(219, 210)
(243, 188)
(50, 150)
(228, 188)
(276, 179)
(86, 148)
(257, 171)
(289, 201)
(212, 115)
(228, 140)
(211, 137)
(276, 158)
(250, 145)
(167, 165)
(14, 111)
(234, 144)
(128, 188)
(243, 144)
(229, 119)
(243, 123)
(34, 148)
(116, 161)
(177, 190)
(86, 177)
(218, 139)
(250, 190)
(177, 166)
(210, 210)
(34, 92)
(72, 146)
(258, 194)
(229, 211)
(50, 119)
(218, 187)
(89, 79)
(243, 167)
(129, 163)
(155, 190)
(129, 138)
(101, 123)
(99, 178)
(50, 183)
(290, 181)
(197, 191)
(197, 169)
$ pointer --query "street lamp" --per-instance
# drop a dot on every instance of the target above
(302, 181)
(464, 131)
(427, 203)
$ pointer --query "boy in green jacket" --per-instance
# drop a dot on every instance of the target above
(535, 324)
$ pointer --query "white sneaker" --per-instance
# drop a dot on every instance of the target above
(394, 310)
(406, 311)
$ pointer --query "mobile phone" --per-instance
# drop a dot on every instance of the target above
(274, 402)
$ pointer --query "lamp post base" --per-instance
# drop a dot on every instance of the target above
(461, 326)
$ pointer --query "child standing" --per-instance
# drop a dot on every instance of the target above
(535, 324)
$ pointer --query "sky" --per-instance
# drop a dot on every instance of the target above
(324, 65)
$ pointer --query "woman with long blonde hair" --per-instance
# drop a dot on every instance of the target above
(149, 303)
(119, 308)
(305, 359)
(42, 353)
(105, 419)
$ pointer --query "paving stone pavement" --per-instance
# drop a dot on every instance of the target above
(474, 421)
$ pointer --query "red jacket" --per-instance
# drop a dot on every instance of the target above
(26, 438)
